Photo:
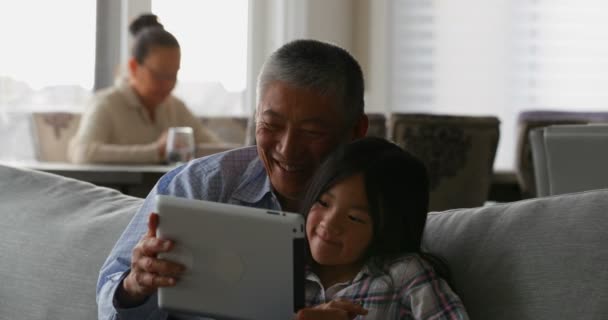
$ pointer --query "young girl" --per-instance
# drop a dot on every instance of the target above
(365, 213)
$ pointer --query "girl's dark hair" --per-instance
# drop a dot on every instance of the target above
(149, 33)
(397, 189)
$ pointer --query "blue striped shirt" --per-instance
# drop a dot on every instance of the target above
(236, 177)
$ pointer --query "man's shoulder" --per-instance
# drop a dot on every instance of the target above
(214, 173)
(236, 158)
(236, 161)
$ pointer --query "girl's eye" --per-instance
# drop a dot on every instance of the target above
(322, 203)
(356, 219)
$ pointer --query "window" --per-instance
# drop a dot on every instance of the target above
(451, 57)
(48, 60)
(476, 57)
(46, 63)
(562, 54)
(213, 38)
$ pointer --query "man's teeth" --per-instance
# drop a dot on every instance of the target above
(289, 168)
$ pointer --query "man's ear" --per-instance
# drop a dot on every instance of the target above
(360, 128)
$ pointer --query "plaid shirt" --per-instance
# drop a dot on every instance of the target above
(408, 289)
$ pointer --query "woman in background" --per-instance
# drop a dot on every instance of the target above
(128, 123)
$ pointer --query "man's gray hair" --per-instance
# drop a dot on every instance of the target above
(322, 67)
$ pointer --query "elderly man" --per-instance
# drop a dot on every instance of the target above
(309, 101)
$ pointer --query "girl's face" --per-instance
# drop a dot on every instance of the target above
(339, 227)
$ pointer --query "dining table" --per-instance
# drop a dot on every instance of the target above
(131, 179)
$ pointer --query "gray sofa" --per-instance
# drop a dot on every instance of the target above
(533, 259)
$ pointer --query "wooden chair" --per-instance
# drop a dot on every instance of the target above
(458, 152)
(377, 125)
(232, 130)
(52, 134)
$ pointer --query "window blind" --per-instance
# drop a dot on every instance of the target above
(499, 57)
(562, 54)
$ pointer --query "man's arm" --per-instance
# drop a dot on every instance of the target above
(124, 289)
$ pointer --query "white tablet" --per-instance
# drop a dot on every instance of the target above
(242, 262)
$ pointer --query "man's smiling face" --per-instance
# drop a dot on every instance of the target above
(295, 129)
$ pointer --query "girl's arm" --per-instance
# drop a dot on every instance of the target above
(427, 296)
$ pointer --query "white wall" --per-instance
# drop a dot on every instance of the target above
(331, 21)
(358, 26)
(370, 48)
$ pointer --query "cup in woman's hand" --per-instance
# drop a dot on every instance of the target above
(180, 145)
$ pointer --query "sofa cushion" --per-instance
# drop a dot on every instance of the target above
(55, 233)
(536, 259)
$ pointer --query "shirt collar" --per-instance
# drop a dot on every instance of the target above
(364, 272)
(255, 185)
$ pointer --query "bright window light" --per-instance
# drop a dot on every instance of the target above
(48, 56)
(213, 38)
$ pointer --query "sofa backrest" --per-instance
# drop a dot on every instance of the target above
(535, 259)
(543, 258)
(55, 233)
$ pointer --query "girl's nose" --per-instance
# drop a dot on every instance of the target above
(331, 223)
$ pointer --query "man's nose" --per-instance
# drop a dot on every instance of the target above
(289, 143)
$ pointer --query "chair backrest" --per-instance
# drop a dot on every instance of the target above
(570, 158)
(539, 160)
(529, 120)
(52, 134)
(377, 125)
(458, 151)
(229, 129)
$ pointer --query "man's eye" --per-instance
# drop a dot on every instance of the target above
(312, 133)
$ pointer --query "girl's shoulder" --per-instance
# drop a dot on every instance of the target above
(405, 268)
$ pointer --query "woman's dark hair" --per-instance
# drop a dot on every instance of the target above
(397, 189)
(149, 33)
